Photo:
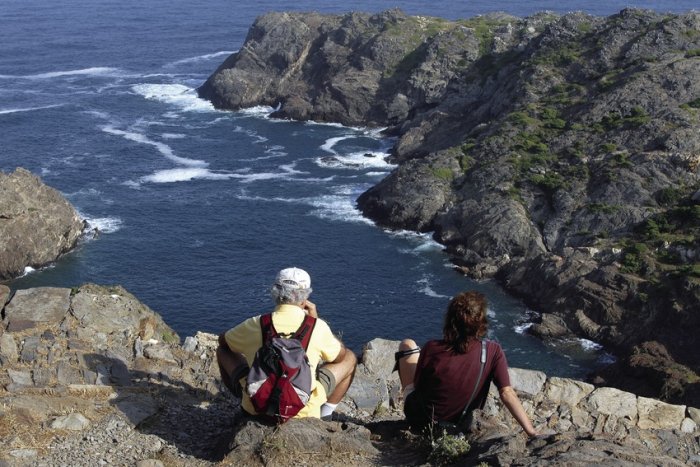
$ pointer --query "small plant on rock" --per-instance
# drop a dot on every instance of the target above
(447, 449)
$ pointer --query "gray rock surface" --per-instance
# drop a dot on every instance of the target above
(37, 224)
(89, 399)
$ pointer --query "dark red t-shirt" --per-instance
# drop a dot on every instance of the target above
(445, 380)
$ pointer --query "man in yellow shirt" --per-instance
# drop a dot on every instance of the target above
(330, 361)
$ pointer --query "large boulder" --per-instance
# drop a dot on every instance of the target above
(37, 224)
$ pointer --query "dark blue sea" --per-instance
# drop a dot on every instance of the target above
(199, 208)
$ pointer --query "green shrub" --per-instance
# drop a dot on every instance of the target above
(692, 53)
(549, 182)
(170, 337)
(633, 258)
(668, 196)
(602, 208)
(608, 147)
(447, 449)
(638, 117)
(694, 104)
(522, 118)
(621, 159)
(443, 173)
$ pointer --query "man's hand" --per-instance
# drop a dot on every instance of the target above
(309, 308)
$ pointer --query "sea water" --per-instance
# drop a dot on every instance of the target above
(197, 208)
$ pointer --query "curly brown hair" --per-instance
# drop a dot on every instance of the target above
(465, 320)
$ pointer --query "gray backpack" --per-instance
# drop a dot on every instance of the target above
(279, 380)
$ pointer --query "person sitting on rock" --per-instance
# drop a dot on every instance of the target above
(330, 361)
(441, 379)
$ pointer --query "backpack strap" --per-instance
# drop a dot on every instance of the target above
(303, 333)
(305, 330)
(268, 329)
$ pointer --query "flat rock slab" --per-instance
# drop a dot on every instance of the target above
(101, 310)
(306, 441)
(39, 306)
(138, 407)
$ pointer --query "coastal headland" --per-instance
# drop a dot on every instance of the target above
(557, 154)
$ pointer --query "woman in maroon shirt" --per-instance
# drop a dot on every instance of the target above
(439, 379)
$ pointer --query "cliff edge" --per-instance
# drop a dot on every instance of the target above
(91, 376)
(558, 154)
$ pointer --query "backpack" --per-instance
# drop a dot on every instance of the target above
(279, 380)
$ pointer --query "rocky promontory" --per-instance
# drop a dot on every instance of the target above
(37, 224)
(558, 154)
(91, 376)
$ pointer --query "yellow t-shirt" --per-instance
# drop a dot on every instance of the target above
(246, 338)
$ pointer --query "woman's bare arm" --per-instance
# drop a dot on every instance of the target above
(512, 402)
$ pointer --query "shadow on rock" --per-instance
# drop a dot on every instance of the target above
(194, 420)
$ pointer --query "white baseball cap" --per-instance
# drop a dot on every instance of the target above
(294, 277)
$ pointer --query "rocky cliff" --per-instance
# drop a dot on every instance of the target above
(559, 154)
(37, 224)
(91, 376)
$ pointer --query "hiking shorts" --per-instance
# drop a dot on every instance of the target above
(326, 379)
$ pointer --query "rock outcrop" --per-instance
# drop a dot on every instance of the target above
(559, 154)
(91, 376)
(37, 224)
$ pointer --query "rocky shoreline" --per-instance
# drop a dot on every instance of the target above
(557, 154)
(37, 224)
(91, 376)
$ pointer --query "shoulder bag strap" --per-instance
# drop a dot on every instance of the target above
(476, 385)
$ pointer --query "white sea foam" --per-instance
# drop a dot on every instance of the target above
(423, 240)
(589, 345)
(258, 138)
(337, 207)
(27, 270)
(94, 71)
(104, 224)
(163, 148)
(83, 192)
(425, 288)
(132, 184)
(290, 169)
(97, 114)
(173, 136)
(201, 58)
(353, 160)
(178, 95)
(331, 142)
(28, 109)
(256, 177)
(184, 175)
(334, 125)
(522, 328)
(257, 111)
